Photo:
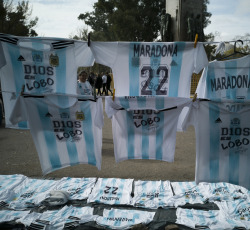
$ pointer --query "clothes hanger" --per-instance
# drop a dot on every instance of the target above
(235, 51)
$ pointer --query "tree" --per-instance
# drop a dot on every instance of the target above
(130, 20)
(17, 19)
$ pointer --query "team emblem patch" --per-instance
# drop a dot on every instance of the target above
(80, 116)
(54, 60)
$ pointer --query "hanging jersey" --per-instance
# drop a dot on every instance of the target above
(224, 191)
(238, 210)
(78, 188)
(187, 193)
(84, 88)
(124, 219)
(7, 184)
(151, 194)
(111, 191)
(199, 219)
(144, 127)
(151, 68)
(30, 193)
(222, 142)
(66, 131)
(42, 65)
(226, 80)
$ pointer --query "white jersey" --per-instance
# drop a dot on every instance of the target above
(42, 65)
(84, 88)
(222, 142)
(238, 210)
(112, 191)
(7, 184)
(66, 131)
(8, 215)
(151, 68)
(78, 188)
(124, 219)
(199, 219)
(151, 194)
(145, 127)
(224, 191)
(30, 193)
(187, 193)
(226, 80)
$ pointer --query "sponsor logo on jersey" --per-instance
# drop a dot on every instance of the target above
(37, 58)
(235, 122)
(64, 115)
(54, 60)
(48, 115)
(218, 120)
(21, 58)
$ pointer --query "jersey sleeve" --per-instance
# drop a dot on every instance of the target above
(200, 58)
(104, 52)
(19, 112)
(99, 119)
(83, 54)
(2, 57)
(202, 86)
(190, 117)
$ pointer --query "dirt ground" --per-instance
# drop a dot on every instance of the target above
(19, 156)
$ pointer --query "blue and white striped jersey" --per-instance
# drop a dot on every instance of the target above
(187, 193)
(144, 127)
(7, 184)
(199, 219)
(151, 68)
(42, 65)
(8, 215)
(111, 191)
(224, 191)
(30, 193)
(151, 194)
(124, 219)
(78, 188)
(222, 141)
(226, 80)
(238, 210)
(84, 88)
(66, 131)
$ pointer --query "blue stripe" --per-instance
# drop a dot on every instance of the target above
(49, 137)
(210, 78)
(214, 114)
(87, 126)
(134, 66)
(176, 70)
(130, 130)
(120, 191)
(61, 72)
(102, 188)
(159, 132)
(232, 66)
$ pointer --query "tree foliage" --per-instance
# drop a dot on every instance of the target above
(130, 20)
(17, 19)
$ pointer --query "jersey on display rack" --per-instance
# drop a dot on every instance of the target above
(226, 80)
(42, 65)
(151, 68)
(66, 131)
(222, 141)
(145, 127)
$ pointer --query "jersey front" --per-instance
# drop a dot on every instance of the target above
(150, 68)
(226, 80)
(65, 133)
(222, 141)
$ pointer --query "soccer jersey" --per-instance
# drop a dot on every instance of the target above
(124, 219)
(30, 193)
(66, 131)
(7, 184)
(145, 127)
(224, 191)
(222, 142)
(8, 215)
(42, 65)
(187, 193)
(78, 188)
(112, 191)
(226, 80)
(151, 68)
(151, 194)
(84, 88)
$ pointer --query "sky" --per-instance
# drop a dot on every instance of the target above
(58, 18)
